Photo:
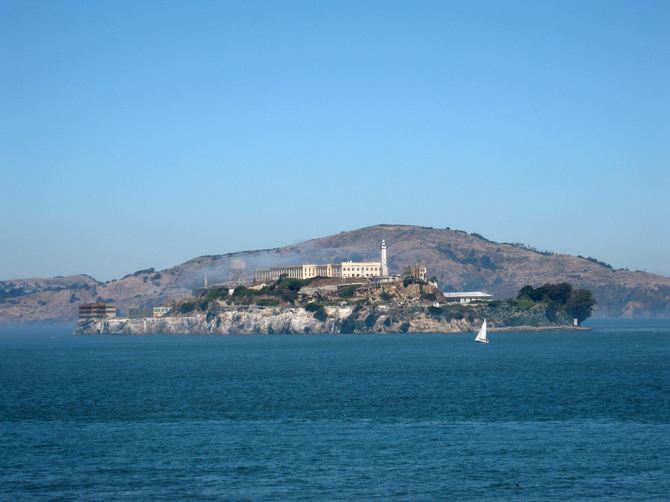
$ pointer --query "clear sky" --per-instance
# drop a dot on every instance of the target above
(143, 133)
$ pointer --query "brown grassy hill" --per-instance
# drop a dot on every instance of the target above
(460, 261)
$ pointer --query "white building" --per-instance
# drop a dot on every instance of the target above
(467, 297)
(343, 269)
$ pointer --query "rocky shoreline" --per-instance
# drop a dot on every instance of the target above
(268, 321)
(326, 306)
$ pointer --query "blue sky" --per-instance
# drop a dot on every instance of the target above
(143, 134)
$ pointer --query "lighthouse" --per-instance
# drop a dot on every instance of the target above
(385, 269)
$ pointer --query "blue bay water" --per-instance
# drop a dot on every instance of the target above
(530, 416)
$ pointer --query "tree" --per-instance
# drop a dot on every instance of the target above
(580, 305)
(525, 292)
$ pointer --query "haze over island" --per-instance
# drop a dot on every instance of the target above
(144, 135)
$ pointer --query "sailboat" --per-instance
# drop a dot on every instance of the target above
(481, 336)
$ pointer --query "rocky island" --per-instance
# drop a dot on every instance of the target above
(336, 305)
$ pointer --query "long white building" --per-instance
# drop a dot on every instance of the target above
(345, 270)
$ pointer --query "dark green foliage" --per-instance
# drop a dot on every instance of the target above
(320, 315)
(216, 293)
(145, 271)
(287, 289)
(474, 234)
(435, 311)
(593, 260)
(348, 291)
(404, 327)
(156, 277)
(294, 284)
(514, 321)
(241, 292)
(525, 292)
(447, 252)
(561, 298)
(486, 263)
(371, 320)
(521, 245)
(288, 295)
(385, 296)
(203, 304)
(412, 280)
(387, 322)
(267, 302)
(187, 307)
(523, 304)
(581, 305)
(350, 325)
(559, 293)
(73, 298)
(312, 307)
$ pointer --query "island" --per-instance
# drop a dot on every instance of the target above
(352, 305)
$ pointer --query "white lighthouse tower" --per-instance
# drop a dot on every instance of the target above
(385, 269)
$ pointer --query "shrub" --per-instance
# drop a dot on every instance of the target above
(387, 322)
(267, 302)
(216, 293)
(350, 325)
(404, 327)
(348, 291)
(288, 295)
(412, 280)
(513, 321)
(241, 292)
(385, 296)
(523, 304)
(312, 307)
(371, 320)
(320, 315)
(156, 277)
(435, 311)
(186, 307)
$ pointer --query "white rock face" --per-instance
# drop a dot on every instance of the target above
(233, 322)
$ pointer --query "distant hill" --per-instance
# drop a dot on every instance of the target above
(460, 261)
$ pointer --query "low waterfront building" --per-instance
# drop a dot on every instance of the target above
(467, 297)
(160, 310)
(99, 310)
(140, 313)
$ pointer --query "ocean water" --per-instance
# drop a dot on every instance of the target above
(530, 416)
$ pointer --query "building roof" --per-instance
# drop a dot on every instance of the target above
(468, 294)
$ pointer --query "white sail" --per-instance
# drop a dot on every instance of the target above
(481, 336)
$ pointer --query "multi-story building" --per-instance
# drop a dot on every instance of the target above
(98, 310)
(343, 269)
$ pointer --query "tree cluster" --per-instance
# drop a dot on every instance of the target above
(578, 304)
